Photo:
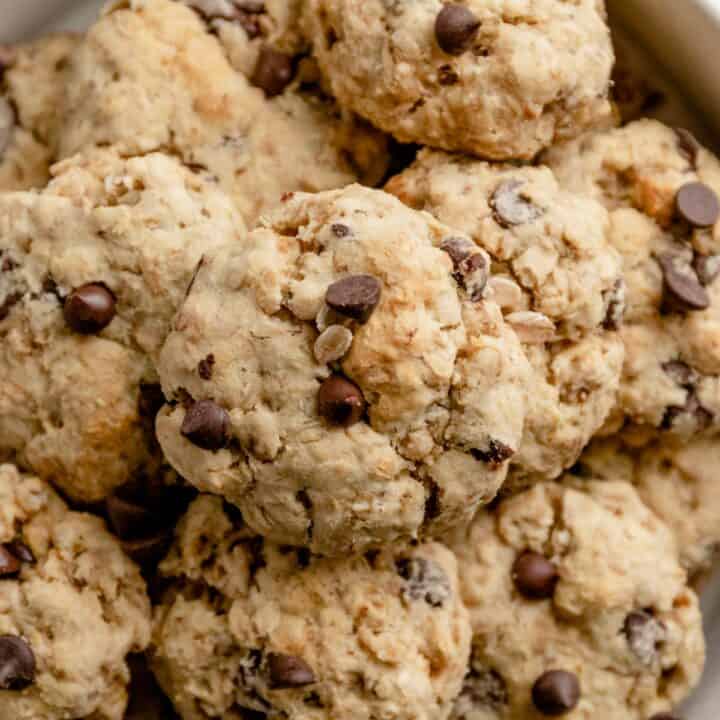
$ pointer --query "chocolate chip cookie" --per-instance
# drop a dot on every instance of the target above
(661, 189)
(248, 629)
(342, 378)
(500, 80)
(579, 608)
(72, 606)
(558, 281)
(92, 270)
(136, 84)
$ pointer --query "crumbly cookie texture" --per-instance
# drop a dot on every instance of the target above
(92, 270)
(678, 481)
(579, 608)
(135, 84)
(500, 80)
(32, 78)
(558, 281)
(72, 606)
(251, 629)
(361, 390)
(661, 189)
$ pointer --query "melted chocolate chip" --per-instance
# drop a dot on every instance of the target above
(288, 671)
(205, 367)
(340, 401)
(645, 635)
(455, 28)
(89, 309)
(535, 576)
(682, 289)
(340, 230)
(17, 663)
(273, 71)
(9, 564)
(510, 207)
(495, 455)
(697, 204)
(447, 76)
(206, 425)
(425, 580)
(354, 296)
(556, 692)
(21, 551)
(680, 373)
(692, 413)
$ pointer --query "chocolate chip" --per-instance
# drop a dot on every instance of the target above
(471, 269)
(21, 551)
(496, 454)
(707, 268)
(535, 576)
(89, 308)
(340, 231)
(273, 71)
(682, 289)
(17, 663)
(680, 373)
(205, 367)
(150, 400)
(425, 580)
(9, 303)
(688, 145)
(616, 304)
(355, 296)
(458, 248)
(128, 519)
(510, 207)
(447, 76)
(556, 692)
(697, 204)
(340, 401)
(9, 564)
(645, 635)
(692, 413)
(148, 551)
(455, 28)
(206, 425)
(288, 671)
(484, 689)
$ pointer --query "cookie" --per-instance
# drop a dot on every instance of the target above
(341, 379)
(72, 606)
(661, 189)
(500, 80)
(677, 481)
(250, 629)
(135, 84)
(558, 280)
(31, 86)
(579, 608)
(92, 270)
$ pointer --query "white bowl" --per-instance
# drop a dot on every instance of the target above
(682, 36)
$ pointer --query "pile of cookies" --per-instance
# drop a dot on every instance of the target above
(357, 361)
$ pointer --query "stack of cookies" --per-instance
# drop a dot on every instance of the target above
(357, 363)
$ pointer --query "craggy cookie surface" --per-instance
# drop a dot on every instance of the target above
(579, 608)
(342, 378)
(92, 270)
(501, 79)
(250, 629)
(72, 606)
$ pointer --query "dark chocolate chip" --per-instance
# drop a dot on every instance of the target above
(273, 71)
(458, 248)
(9, 564)
(9, 303)
(473, 273)
(447, 76)
(128, 519)
(21, 551)
(680, 373)
(692, 412)
(484, 689)
(206, 425)
(535, 576)
(425, 580)
(205, 367)
(17, 663)
(288, 671)
(495, 455)
(556, 692)
(645, 635)
(510, 207)
(455, 28)
(340, 401)
(688, 145)
(707, 268)
(150, 400)
(89, 308)
(697, 204)
(682, 289)
(615, 302)
(340, 230)
(355, 296)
